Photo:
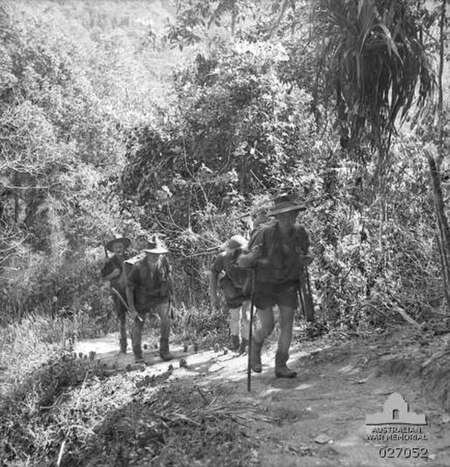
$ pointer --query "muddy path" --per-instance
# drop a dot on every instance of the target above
(316, 419)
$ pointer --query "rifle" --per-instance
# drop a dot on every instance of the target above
(105, 249)
(171, 309)
(124, 303)
(106, 256)
(305, 293)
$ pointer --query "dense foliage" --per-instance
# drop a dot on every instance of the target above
(104, 129)
(248, 122)
(91, 148)
(70, 91)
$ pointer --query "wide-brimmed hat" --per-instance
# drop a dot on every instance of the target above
(118, 239)
(155, 246)
(235, 242)
(285, 203)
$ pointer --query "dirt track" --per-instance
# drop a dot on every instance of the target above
(318, 419)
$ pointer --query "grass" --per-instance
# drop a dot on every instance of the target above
(25, 346)
(36, 370)
(58, 410)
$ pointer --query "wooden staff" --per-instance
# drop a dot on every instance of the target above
(250, 332)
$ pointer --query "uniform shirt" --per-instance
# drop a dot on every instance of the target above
(150, 286)
(277, 261)
(225, 262)
(112, 263)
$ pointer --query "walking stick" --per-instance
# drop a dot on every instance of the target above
(250, 333)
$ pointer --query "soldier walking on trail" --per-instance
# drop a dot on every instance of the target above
(150, 290)
(114, 272)
(142, 242)
(233, 283)
(277, 250)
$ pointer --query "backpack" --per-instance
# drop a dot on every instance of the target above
(244, 273)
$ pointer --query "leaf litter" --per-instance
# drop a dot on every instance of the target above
(172, 424)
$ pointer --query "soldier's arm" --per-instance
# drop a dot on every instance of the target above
(305, 257)
(213, 280)
(131, 285)
(255, 251)
(110, 270)
(115, 273)
(214, 273)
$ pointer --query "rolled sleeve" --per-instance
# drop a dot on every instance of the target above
(256, 246)
(303, 239)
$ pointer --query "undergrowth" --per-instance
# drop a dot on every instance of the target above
(55, 406)
(31, 424)
(67, 413)
(178, 424)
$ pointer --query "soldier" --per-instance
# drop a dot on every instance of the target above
(277, 250)
(149, 290)
(142, 242)
(114, 272)
(233, 281)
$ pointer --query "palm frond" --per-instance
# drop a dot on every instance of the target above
(373, 50)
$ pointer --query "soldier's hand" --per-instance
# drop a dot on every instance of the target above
(135, 314)
(116, 272)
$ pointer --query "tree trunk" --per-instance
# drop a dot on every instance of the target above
(442, 224)
(434, 166)
(440, 107)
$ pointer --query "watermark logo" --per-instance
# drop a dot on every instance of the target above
(396, 422)
(396, 411)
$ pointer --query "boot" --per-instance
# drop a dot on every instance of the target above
(138, 358)
(164, 350)
(136, 338)
(243, 347)
(137, 351)
(281, 369)
(255, 361)
(123, 345)
(234, 346)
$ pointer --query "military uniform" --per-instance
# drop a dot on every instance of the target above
(150, 290)
(235, 285)
(277, 271)
(118, 286)
(277, 251)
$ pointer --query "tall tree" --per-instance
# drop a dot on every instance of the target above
(443, 236)
(380, 72)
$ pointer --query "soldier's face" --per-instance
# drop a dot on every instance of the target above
(118, 248)
(288, 217)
